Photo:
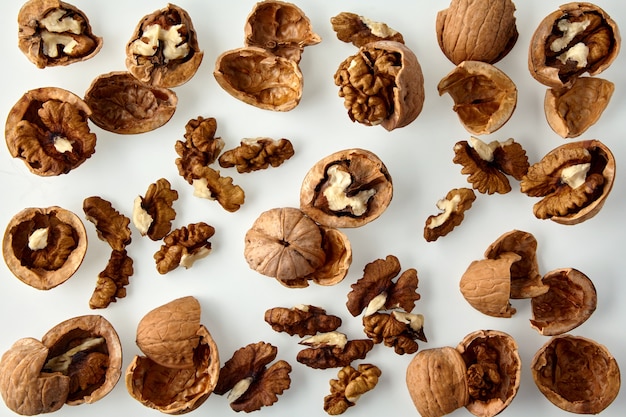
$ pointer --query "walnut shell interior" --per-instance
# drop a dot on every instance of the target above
(44, 247)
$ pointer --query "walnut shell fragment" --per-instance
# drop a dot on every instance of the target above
(577, 38)
(181, 366)
(569, 302)
(454, 205)
(348, 188)
(111, 225)
(48, 129)
(359, 30)
(163, 50)
(76, 362)
(154, 212)
(571, 111)
(382, 84)
(303, 320)
(484, 96)
(184, 246)
(576, 374)
(43, 247)
(121, 104)
(350, 384)
(254, 154)
(281, 28)
(573, 181)
(248, 379)
(477, 30)
(55, 33)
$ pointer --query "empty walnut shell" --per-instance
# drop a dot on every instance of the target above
(260, 78)
(568, 196)
(577, 38)
(484, 96)
(571, 111)
(348, 188)
(55, 33)
(44, 247)
(569, 302)
(122, 104)
(338, 251)
(576, 374)
(281, 28)
(48, 129)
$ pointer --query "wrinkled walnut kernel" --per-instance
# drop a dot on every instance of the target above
(200, 148)
(453, 207)
(256, 154)
(112, 281)
(305, 320)
(350, 384)
(153, 214)
(397, 329)
(111, 225)
(332, 350)
(184, 246)
(359, 30)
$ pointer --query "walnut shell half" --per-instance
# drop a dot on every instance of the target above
(576, 374)
(44, 247)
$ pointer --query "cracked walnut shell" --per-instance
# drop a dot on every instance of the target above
(48, 129)
(576, 374)
(55, 33)
(44, 247)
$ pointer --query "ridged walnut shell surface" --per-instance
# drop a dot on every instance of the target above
(367, 172)
(576, 374)
(488, 353)
(17, 253)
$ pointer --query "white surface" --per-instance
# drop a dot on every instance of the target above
(419, 158)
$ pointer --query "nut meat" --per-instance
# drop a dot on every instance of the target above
(305, 320)
(332, 350)
(350, 384)
(359, 30)
(111, 225)
(453, 206)
(153, 213)
(184, 246)
(254, 154)
(112, 281)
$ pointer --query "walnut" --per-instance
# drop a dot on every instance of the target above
(359, 30)
(55, 33)
(573, 181)
(488, 164)
(481, 374)
(48, 129)
(484, 96)
(350, 384)
(43, 247)
(348, 188)
(477, 31)
(112, 281)
(181, 366)
(382, 85)
(526, 281)
(569, 302)
(163, 50)
(153, 213)
(332, 350)
(576, 374)
(251, 384)
(184, 246)
(111, 225)
(338, 252)
(285, 244)
(571, 111)
(397, 329)
(121, 104)
(257, 153)
(453, 206)
(486, 284)
(200, 148)
(303, 320)
(376, 290)
(577, 38)
(281, 28)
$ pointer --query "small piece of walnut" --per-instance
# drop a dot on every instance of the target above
(248, 379)
(153, 214)
(350, 384)
(359, 30)
(200, 148)
(454, 205)
(112, 281)
(397, 329)
(254, 154)
(111, 225)
(183, 246)
(304, 320)
(332, 350)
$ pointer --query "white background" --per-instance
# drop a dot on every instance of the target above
(419, 158)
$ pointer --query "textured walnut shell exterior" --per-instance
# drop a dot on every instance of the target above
(338, 251)
(569, 302)
(437, 382)
(371, 167)
(29, 38)
(41, 278)
(277, 83)
(576, 374)
(503, 352)
(537, 54)
(477, 30)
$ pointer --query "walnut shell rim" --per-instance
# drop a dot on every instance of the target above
(45, 280)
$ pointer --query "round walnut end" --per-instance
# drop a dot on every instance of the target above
(576, 374)
(349, 188)
(44, 247)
